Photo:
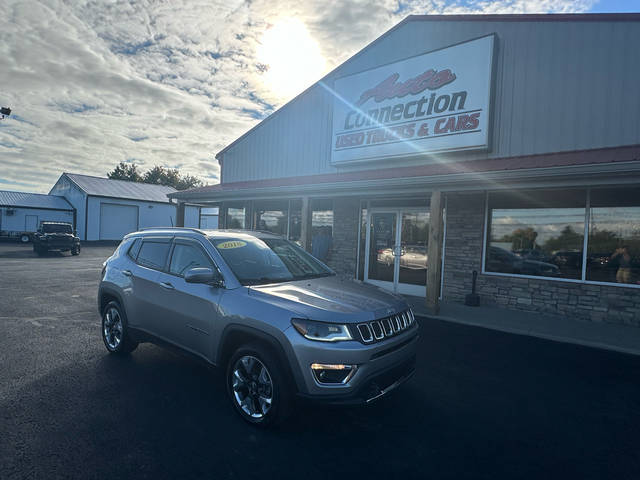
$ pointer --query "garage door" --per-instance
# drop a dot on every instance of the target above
(117, 220)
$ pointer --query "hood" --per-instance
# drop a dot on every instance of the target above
(331, 299)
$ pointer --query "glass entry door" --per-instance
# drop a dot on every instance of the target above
(396, 253)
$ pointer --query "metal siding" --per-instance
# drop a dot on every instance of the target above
(32, 200)
(76, 197)
(191, 216)
(559, 86)
(151, 214)
(16, 222)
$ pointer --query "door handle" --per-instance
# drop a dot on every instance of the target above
(126, 273)
(167, 285)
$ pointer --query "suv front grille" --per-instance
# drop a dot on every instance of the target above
(378, 330)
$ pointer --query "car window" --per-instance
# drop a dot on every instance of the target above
(185, 257)
(56, 228)
(134, 248)
(153, 254)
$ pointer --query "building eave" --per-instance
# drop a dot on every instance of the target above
(602, 174)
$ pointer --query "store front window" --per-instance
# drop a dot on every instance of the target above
(539, 233)
(272, 216)
(235, 216)
(209, 218)
(614, 236)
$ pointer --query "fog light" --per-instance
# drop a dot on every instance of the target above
(333, 373)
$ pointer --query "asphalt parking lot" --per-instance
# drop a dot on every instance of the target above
(483, 404)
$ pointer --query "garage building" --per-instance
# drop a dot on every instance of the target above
(21, 213)
(109, 209)
(507, 145)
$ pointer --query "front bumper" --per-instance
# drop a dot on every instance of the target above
(382, 367)
(372, 388)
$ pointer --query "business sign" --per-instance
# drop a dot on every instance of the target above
(435, 102)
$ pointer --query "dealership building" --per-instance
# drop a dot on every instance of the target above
(507, 145)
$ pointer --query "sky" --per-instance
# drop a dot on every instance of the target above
(93, 83)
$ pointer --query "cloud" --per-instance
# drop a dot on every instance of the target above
(93, 83)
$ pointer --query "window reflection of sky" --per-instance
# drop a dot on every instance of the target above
(624, 221)
(548, 222)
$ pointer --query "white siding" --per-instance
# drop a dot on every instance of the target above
(17, 221)
(76, 197)
(559, 86)
(150, 214)
(191, 216)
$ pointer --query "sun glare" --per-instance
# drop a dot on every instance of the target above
(292, 57)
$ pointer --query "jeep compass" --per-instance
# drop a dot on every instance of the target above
(277, 320)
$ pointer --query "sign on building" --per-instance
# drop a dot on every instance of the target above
(435, 102)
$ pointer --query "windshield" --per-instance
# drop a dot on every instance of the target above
(56, 228)
(256, 261)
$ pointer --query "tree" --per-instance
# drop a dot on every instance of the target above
(157, 175)
(125, 171)
(521, 238)
(568, 239)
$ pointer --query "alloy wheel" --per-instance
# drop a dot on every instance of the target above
(252, 386)
(112, 328)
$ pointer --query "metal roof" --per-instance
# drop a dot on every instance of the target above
(105, 187)
(33, 200)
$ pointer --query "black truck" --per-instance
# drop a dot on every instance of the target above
(56, 236)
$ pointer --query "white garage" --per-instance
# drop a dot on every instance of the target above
(21, 213)
(117, 220)
(109, 209)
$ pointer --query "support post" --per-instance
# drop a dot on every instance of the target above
(305, 227)
(180, 214)
(222, 216)
(248, 215)
(434, 253)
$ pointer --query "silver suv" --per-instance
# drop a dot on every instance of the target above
(278, 320)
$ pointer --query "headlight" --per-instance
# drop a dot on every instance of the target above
(320, 331)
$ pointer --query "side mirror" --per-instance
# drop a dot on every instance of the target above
(203, 275)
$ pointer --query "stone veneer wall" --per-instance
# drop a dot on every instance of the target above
(344, 253)
(463, 254)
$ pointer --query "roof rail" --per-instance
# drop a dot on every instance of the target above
(197, 230)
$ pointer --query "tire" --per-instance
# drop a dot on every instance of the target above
(75, 250)
(24, 238)
(248, 361)
(117, 340)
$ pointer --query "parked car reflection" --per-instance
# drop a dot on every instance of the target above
(504, 261)
(567, 258)
(413, 257)
(385, 256)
